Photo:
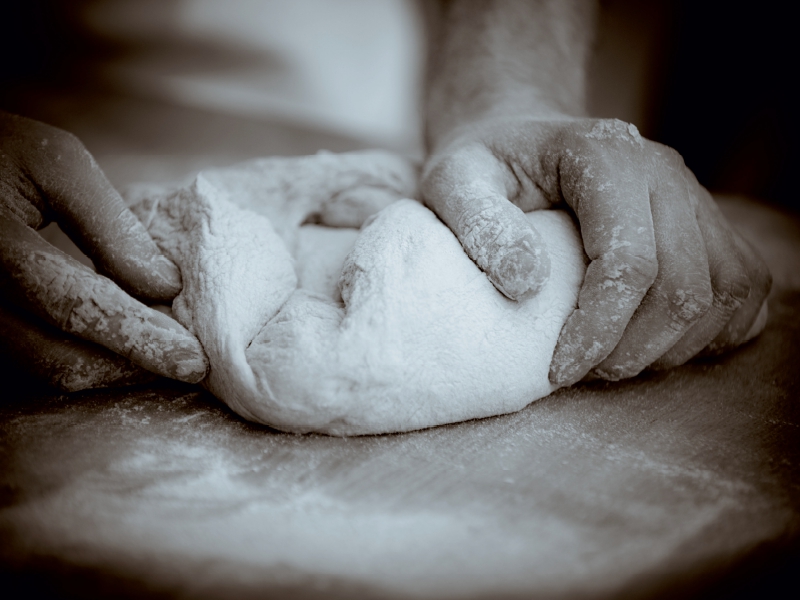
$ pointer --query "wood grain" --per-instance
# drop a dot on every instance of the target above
(678, 483)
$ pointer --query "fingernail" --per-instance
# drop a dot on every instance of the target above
(556, 374)
(169, 274)
(187, 363)
(520, 273)
(146, 337)
(563, 378)
(564, 369)
(179, 353)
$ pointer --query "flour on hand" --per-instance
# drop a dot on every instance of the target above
(389, 328)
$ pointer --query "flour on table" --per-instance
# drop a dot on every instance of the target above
(344, 331)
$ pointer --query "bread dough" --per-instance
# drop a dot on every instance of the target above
(343, 331)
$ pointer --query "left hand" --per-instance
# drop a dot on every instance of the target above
(62, 322)
(668, 277)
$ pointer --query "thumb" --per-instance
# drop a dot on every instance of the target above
(468, 189)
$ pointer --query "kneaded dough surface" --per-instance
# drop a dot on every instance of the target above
(343, 331)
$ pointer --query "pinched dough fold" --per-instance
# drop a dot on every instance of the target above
(323, 327)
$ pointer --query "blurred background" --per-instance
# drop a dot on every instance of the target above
(208, 82)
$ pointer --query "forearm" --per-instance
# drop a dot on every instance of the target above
(494, 58)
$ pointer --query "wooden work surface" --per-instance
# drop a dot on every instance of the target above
(677, 482)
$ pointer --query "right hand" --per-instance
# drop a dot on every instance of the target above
(668, 277)
(59, 320)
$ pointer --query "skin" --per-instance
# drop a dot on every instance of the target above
(67, 324)
(507, 132)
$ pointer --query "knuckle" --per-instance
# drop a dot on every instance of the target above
(690, 302)
(47, 140)
(68, 155)
(733, 290)
(36, 129)
(615, 133)
(673, 156)
(642, 267)
(667, 158)
(65, 142)
(624, 276)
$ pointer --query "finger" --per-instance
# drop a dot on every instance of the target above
(60, 290)
(468, 190)
(611, 200)
(729, 280)
(32, 347)
(92, 213)
(681, 293)
(751, 317)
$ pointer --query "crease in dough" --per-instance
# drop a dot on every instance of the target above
(343, 331)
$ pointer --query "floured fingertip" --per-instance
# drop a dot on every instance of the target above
(521, 272)
(164, 346)
(169, 282)
(575, 353)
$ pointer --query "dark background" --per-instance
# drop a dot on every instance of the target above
(719, 78)
(730, 95)
(719, 88)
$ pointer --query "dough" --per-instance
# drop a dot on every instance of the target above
(346, 332)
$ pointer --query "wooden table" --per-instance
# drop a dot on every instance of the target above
(679, 482)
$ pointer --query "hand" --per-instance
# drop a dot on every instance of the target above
(668, 277)
(50, 299)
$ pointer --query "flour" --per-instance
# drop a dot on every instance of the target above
(390, 328)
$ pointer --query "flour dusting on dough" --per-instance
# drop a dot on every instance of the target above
(390, 328)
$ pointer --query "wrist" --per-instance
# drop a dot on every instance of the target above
(449, 114)
(493, 59)
(486, 125)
